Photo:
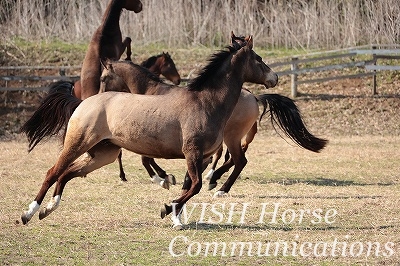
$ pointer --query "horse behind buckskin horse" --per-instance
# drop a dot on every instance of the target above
(188, 124)
(106, 42)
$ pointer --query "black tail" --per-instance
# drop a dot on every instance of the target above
(52, 115)
(286, 115)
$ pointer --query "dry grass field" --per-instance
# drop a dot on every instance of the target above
(352, 186)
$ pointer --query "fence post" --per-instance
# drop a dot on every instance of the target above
(374, 77)
(293, 77)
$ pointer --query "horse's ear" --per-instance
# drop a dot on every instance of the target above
(233, 37)
(249, 41)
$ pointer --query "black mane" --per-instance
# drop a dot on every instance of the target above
(214, 63)
(149, 62)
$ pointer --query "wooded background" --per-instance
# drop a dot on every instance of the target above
(299, 24)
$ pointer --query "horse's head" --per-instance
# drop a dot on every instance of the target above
(133, 5)
(168, 68)
(110, 81)
(254, 70)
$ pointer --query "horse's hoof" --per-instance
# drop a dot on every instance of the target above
(44, 213)
(220, 194)
(171, 179)
(165, 183)
(24, 218)
(177, 227)
(211, 186)
(123, 178)
(165, 211)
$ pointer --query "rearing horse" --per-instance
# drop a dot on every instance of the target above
(105, 43)
(189, 124)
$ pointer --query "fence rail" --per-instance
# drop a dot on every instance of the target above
(363, 60)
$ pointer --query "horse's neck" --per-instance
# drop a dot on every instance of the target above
(110, 23)
(155, 69)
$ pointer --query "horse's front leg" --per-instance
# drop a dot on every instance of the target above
(127, 44)
(195, 168)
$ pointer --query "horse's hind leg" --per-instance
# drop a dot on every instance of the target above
(240, 161)
(98, 156)
(53, 174)
(249, 137)
(121, 168)
(214, 162)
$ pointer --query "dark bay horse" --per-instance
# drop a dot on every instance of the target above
(163, 64)
(188, 124)
(106, 42)
(239, 131)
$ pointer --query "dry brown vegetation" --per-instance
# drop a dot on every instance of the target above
(274, 23)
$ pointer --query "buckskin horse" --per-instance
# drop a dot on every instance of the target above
(240, 128)
(106, 42)
(188, 124)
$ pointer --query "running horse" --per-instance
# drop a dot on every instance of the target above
(188, 125)
(106, 42)
(239, 131)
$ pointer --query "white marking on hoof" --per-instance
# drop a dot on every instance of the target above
(33, 208)
(164, 184)
(220, 194)
(51, 206)
(53, 203)
(176, 220)
(156, 179)
(209, 174)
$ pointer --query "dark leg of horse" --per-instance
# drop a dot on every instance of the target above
(194, 161)
(214, 162)
(219, 172)
(155, 178)
(161, 173)
(127, 44)
(121, 169)
(228, 160)
(240, 161)
(98, 156)
(227, 155)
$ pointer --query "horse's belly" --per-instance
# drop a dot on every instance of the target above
(150, 142)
